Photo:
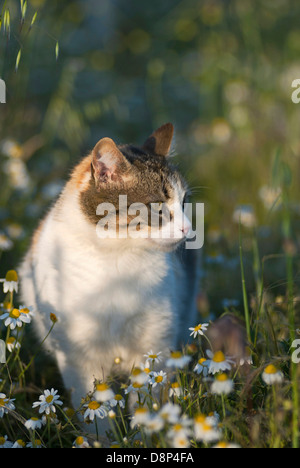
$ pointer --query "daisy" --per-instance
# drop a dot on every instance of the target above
(19, 444)
(155, 358)
(27, 312)
(47, 402)
(37, 444)
(81, 442)
(202, 367)
(103, 393)
(170, 413)
(95, 409)
(226, 445)
(4, 443)
(12, 344)
(6, 404)
(117, 400)
(146, 367)
(178, 360)
(141, 417)
(5, 242)
(199, 329)
(154, 424)
(138, 376)
(10, 281)
(272, 375)
(204, 430)
(14, 319)
(175, 390)
(222, 385)
(218, 362)
(158, 378)
(33, 424)
(180, 440)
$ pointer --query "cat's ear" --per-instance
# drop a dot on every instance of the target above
(160, 141)
(108, 163)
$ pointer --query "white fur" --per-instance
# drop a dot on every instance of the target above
(113, 298)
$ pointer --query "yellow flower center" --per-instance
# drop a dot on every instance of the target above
(37, 442)
(49, 399)
(206, 427)
(2, 402)
(2, 441)
(11, 275)
(11, 340)
(147, 370)
(222, 378)
(15, 313)
(271, 369)
(137, 385)
(201, 361)
(219, 357)
(223, 445)
(177, 427)
(159, 378)
(200, 419)
(176, 355)
(93, 405)
(102, 387)
(79, 440)
(141, 410)
(21, 442)
(118, 397)
(197, 328)
(152, 356)
(34, 419)
(175, 385)
(136, 371)
(24, 311)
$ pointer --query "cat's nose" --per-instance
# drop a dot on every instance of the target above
(186, 227)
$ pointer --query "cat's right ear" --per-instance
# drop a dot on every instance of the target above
(108, 163)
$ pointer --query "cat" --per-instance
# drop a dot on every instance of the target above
(115, 298)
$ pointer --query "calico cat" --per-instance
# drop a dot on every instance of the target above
(113, 297)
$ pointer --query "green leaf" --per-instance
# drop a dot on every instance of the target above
(18, 60)
(57, 50)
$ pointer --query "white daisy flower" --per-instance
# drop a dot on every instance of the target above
(34, 423)
(218, 362)
(199, 329)
(27, 312)
(19, 444)
(12, 344)
(175, 390)
(95, 409)
(47, 401)
(170, 413)
(180, 440)
(155, 358)
(202, 367)
(37, 444)
(178, 360)
(154, 424)
(117, 400)
(6, 404)
(5, 242)
(222, 385)
(138, 376)
(158, 378)
(226, 445)
(10, 282)
(204, 430)
(4, 443)
(14, 319)
(141, 417)
(103, 393)
(81, 442)
(272, 375)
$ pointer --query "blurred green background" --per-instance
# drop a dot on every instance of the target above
(221, 71)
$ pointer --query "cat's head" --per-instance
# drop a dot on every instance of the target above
(150, 186)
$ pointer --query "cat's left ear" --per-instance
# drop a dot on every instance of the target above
(160, 141)
(108, 163)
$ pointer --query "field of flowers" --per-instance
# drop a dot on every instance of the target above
(221, 72)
